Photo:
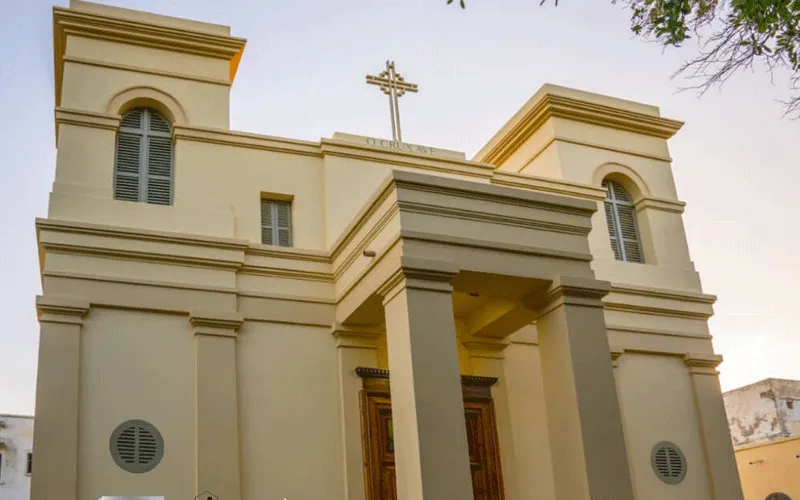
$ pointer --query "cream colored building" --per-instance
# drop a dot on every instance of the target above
(764, 420)
(225, 312)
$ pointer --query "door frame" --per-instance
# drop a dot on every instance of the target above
(475, 389)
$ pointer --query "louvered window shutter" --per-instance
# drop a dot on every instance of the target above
(276, 223)
(623, 228)
(143, 163)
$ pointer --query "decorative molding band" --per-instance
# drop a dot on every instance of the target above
(62, 310)
(491, 218)
(663, 293)
(275, 272)
(466, 241)
(662, 204)
(148, 71)
(594, 145)
(652, 331)
(356, 337)
(702, 364)
(466, 380)
(556, 106)
(71, 22)
(237, 139)
(138, 281)
(493, 193)
(223, 324)
(657, 311)
(85, 119)
(140, 234)
(330, 147)
(555, 186)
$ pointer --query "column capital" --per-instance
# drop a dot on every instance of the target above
(616, 352)
(356, 337)
(219, 324)
(54, 309)
(569, 290)
(419, 273)
(702, 364)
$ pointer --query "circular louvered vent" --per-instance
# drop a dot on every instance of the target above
(137, 446)
(668, 462)
(778, 496)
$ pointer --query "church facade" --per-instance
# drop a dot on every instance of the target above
(253, 317)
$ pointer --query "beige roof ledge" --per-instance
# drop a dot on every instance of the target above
(103, 22)
(561, 102)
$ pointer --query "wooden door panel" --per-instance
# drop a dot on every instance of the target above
(378, 442)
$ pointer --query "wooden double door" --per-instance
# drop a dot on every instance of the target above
(378, 441)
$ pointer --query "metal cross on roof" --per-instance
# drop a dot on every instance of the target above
(393, 85)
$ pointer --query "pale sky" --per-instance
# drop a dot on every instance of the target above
(736, 161)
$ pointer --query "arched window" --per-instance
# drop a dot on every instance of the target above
(143, 160)
(622, 226)
(778, 496)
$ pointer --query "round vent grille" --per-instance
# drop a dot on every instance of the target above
(778, 496)
(669, 462)
(137, 446)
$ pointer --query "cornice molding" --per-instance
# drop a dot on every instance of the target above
(217, 324)
(420, 274)
(52, 309)
(234, 138)
(662, 293)
(494, 193)
(356, 337)
(653, 331)
(466, 380)
(543, 184)
(400, 158)
(556, 106)
(662, 204)
(69, 22)
(702, 364)
(85, 119)
(148, 71)
(567, 290)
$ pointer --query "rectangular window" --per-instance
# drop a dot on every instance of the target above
(29, 464)
(276, 222)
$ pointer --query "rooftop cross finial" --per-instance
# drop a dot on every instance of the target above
(393, 85)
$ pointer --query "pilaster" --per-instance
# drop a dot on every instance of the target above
(723, 474)
(590, 461)
(217, 405)
(431, 452)
(356, 347)
(57, 398)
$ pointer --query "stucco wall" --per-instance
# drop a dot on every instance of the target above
(770, 468)
(766, 410)
(16, 441)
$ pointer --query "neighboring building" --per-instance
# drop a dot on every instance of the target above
(764, 421)
(16, 456)
(225, 311)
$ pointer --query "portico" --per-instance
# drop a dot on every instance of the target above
(521, 257)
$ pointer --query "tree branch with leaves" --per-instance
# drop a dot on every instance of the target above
(732, 35)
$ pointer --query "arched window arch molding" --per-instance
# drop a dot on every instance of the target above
(148, 97)
(625, 176)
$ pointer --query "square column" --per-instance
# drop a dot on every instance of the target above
(431, 453)
(356, 347)
(217, 404)
(584, 422)
(723, 475)
(55, 444)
